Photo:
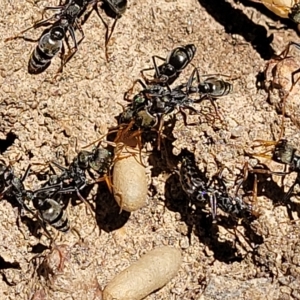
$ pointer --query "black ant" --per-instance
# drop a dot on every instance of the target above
(195, 184)
(50, 43)
(73, 178)
(211, 87)
(173, 65)
(48, 210)
(66, 19)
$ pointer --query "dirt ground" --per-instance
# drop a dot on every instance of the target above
(42, 118)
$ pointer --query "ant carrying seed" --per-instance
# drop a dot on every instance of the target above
(128, 181)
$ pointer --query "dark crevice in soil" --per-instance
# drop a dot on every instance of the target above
(39, 248)
(4, 278)
(8, 265)
(108, 215)
(236, 22)
(9, 141)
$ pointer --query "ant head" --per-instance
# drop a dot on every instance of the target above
(102, 160)
(84, 159)
(283, 152)
(145, 120)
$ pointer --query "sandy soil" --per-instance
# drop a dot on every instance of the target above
(42, 118)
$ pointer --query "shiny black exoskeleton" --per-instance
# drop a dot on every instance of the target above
(51, 42)
(50, 211)
(173, 65)
(117, 6)
(285, 153)
(12, 186)
(214, 87)
(211, 87)
(47, 210)
(195, 184)
(150, 105)
(48, 46)
(99, 160)
(73, 178)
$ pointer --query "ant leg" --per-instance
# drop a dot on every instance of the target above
(35, 26)
(286, 51)
(43, 225)
(26, 173)
(184, 116)
(263, 143)
(243, 179)
(76, 44)
(157, 73)
(107, 181)
(255, 211)
(121, 201)
(59, 7)
(62, 168)
(209, 117)
(62, 257)
(213, 205)
(66, 57)
(159, 132)
(99, 140)
(19, 221)
(254, 191)
(288, 194)
(212, 101)
(281, 134)
(128, 94)
(268, 172)
(84, 201)
(246, 171)
(138, 134)
(74, 230)
(4, 191)
(191, 79)
(145, 77)
(62, 55)
(108, 37)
